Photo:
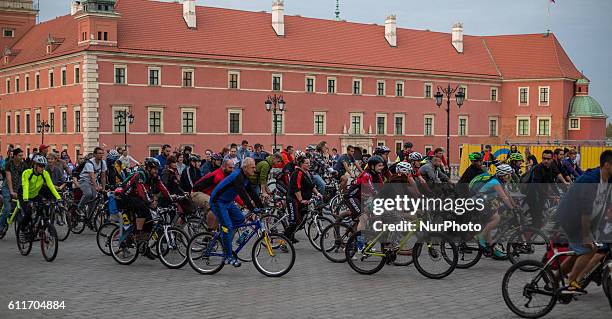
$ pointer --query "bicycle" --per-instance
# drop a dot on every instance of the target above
(11, 217)
(91, 215)
(40, 229)
(206, 253)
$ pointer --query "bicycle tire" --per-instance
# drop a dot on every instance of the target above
(419, 257)
(57, 220)
(275, 240)
(49, 236)
(115, 251)
(78, 225)
(514, 247)
(544, 273)
(606, 285)
(333, 241)
(314, 233)
(465, 249)
(163, 251)
(195, 252)
(274, 224)
(103, 237)
(244, 254)
(24, 246)
(351, 251)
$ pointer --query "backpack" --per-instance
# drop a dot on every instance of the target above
(479, 182)
(77, 171)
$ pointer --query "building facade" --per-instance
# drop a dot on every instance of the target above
(199, 76)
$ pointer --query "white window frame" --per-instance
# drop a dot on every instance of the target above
(154, 148)
(7, 120)
(380, 142)
(17, 83)
(403, 88)
(540, 103)
(161, 122)
(496, 119)
(384, 87)
(37, 82)
(403, 117)
(159, 76)
(314, 83)
(229, 77)
(465, 87)
(74, 119)
(27, 85)
(280, 76)
(549, 118)
(518, 119)
(50, 111)
(189, 110)
(351, 129)
(63, 109)
(282, 128)
(467, 125)
(17, 119)
(25, 121)
(314, 123)
(234, 111)
(496, 89)
(188, 69)
(77, 151)
(62, 70)
(76, 70)
(335, 85)
(430, 91)
(519, 96)
(120, 66)
(383, 115)
(8, 86)
(428, 147)
(399, 143)
(360, 86)
(114, 109)
(12, 30)
(433, 123)
(570, 124)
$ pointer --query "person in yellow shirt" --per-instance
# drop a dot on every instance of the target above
(35, 183)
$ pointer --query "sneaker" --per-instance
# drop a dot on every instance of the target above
(232, 261)
(283, 247)
(360, 243)
(125, 253)
(498, 253)
(573, 288)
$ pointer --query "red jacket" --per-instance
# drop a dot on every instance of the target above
(208, 182)
(286, 157)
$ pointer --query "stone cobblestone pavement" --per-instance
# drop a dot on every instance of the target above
(94, 286)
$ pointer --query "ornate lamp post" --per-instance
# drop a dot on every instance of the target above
(275, 104)
(125, 117)
(448, 92)
(43, 127)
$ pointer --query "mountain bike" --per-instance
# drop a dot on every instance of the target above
(16, 211)
(40, 229)
(90, 215)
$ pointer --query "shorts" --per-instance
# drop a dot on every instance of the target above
(201, 200)
(579, 247)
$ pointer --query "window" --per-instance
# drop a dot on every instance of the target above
(154, 151)
(356, 87)
(380, 88)
(381, 124)
(277, 123)
(574, 124)
(77, 74)
(27, 82)
(64, 122)
(356, 124)
(524, 96)
(463, 88)
(399, 89)
(8, 33)
(494, 94)
(428, 90)
(522, 126)
(399, 124)
(544, 126)
(310, 84)
(84, 36)
(319, 123)
(17, 85)
(8, 123)
(8, 86)
(119, 124)
(120, 75)
(37, 122)
(105, 36)
(331, 85)
(492, 126)
(51, 79)
(37, 84)
(154, 76)
(27, 123)
(52, 122)
(188, 121)
(64, 77)
(234, 78)
(380, 143)
(463, 126)
(77, 121)
(398, 146)
(544, 95)
(17, 123)
(235, 121)
(99, 35)
(428, 148)
(276, 82)
(428, 125)
(155, 121)
(187, 78)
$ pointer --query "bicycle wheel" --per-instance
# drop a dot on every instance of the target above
(103, 237)
(194, 227)
(244, 254)
(61, 223)
(124, 250)
(526, 243)
(469, 254)
(436, 257)
(529, 294)
(78, 224)
(274, 255)
(274, 224)
(172, 248)
(49, 242)
(99, 219)
(606, 283)
(366, 261)
(315, 228)
(403, 257)
(24, 243)
(205, 253)
(333, 241)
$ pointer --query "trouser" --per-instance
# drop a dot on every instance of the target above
(319, 183)
(230, 217)
(89, 193)
(296, 212)
(353, 201)
(6, 212)
(26, 210)
(536, 206)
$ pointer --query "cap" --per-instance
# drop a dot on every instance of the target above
(42, 147)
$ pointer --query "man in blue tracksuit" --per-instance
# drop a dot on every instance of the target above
(223, 206)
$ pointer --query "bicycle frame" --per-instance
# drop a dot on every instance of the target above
(259, 228)
(17, 208)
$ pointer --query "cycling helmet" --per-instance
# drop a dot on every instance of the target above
(152, 162)
(40, 160)
(299, 153)
(415, 156)
(113, 155)
(503, 169)
(403, 168)
(381, 150)
(515, 157)
(216, 157)
(310, 148)
(375, 160)
(476, 156)
(195, 158)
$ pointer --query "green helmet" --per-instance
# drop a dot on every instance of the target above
(475, 156)
(515, 157)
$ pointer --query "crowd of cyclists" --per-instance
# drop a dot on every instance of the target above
(222, 185)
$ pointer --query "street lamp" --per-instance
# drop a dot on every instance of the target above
(275, 104)
(124, 117)
(41, 128)
(439, 96)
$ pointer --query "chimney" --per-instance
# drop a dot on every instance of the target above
(391, 30)
(75, 7)
(189, 13)
(458, 37)
(278, 17)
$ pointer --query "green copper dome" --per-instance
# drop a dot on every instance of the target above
(585, 106)
(582, 81)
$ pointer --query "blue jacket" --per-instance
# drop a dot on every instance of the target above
(568, 164)
(162, 162)
(235, 184)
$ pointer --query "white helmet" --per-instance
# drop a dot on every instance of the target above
(403, 168)
(113, 154)
(415, 156)
(299, 153)
(39, 159)
(503, 169)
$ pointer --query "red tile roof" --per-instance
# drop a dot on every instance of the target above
(158, 28)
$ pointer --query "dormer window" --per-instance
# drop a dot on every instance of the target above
(8, 33)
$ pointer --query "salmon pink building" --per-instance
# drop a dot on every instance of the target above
(194, 75)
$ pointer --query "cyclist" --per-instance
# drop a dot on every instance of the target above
(488, 158)
(226, 211)
(301, 189)
(542, 178)
(571, 165)
(93, 177)
(192, 173)
(116, 173)
(515, 160)
(262, 173)
(415, 159)
(403, 175)
(319, 165)
(36, 183)
(343, 166)
(170, 176)
(282, 179)
(12, 182)
(383, 152)
(213, 164)
(472, 171)
(287, 155)
(558, 157)
(58, 170)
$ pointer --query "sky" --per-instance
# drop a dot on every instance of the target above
(580, 25)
